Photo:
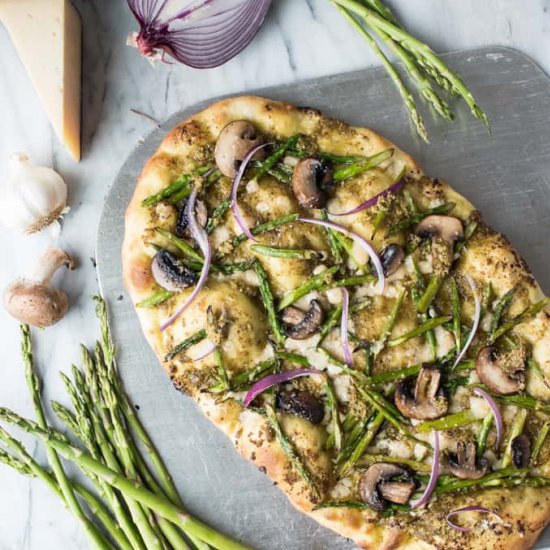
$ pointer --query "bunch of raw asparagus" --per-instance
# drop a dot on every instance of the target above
(377, 24)
(132, 508)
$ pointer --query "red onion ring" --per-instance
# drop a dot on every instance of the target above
(477, 317)
(200, 236)
(480, 509)
(393, 188)
(206, 352)
(274, 380)
(235, 187)
(365, 245)
(434, 475)
(348, 355)
(495, 410)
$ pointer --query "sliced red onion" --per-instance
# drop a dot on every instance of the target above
(274, 380)
(208, 349)
(363, 243)
(235, 187)
(201, 238)
(480, 509)
(348, 355)
(495, 410)
(201, 33)
(434, 475)
(477, 317)
(393, 188)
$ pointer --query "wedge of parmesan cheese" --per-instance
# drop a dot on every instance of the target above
(47, 35)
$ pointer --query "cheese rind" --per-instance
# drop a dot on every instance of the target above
(47, 35)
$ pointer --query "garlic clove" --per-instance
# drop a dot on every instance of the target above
(35, 196)
(34, 301)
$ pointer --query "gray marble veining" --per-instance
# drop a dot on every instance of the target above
(301, 39)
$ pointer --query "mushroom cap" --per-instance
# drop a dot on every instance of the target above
(310, 179)
(301, 403)
(392, 257)
(422, 397)
(235, 141)
(35, 304)
(492, 374)
(170, 273)
(446, 228)
(521, 451)
(301, 324)
(384, 482)
(465, 464)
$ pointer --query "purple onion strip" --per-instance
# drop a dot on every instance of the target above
(348, 355)
(495, 410)
(480, 509)
(477, 317)
(434, 475)
(274, 380)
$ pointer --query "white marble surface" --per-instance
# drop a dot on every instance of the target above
(301, 38)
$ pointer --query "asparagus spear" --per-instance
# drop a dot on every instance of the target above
(292, 253)
(353, 170)
(418, 331)
(270, 161)
(269, 304)
(462, 418)
(265, 227)
(26, 465)
(219, 212)
(483, 434)
(68, 494)
(157, 503)
(539, 441)
(155, 299)
(314, 283)
(517, 428)
(195, 338)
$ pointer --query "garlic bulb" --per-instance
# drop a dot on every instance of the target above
(35, 196)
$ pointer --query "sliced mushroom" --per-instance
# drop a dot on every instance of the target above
(447, 228)
(465, 464)
(301, 403)
(201, 215)
(490, 369)
(33, 300)
(235, 141)
(170, 273)
(310, 179)
(392, 257)
(422, 397)
(521, 451)
(299, 324)
(383, 483)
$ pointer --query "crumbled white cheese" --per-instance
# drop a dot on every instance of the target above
(252, 186)
(425, 266)
(445, 341)
(334, 295)
(419, 452)
(479, 407)
(359, 253)
(456, 402)
(291, 161)
(263, 207)
(319, 269)
(486, 322)
(340, 490)
(342, 384)
(218, 236)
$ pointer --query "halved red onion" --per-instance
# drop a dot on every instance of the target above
(393, 188)
(201, 33)
(348, 355)
(434, 475)
(363, 243)
(274, 380)
(453, 513)
(235, 187)
(495, 410)
(475, 325)
(207, 350)
(201, 238)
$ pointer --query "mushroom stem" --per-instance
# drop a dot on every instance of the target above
(49, 262)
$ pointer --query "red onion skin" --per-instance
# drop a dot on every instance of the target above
(199, 234)
(235, 188)
(394, 188)
(434, 475)
(360, 240)
(274, 380)
(467, 509)
(475, 325)
(495, 410)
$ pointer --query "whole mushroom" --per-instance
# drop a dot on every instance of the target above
(235, 141)
(383, 483)
(446, 228)
(170, 273)
(33, 301)
(422, 398)
(301, 403)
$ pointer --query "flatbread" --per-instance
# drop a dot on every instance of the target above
(487, 257)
